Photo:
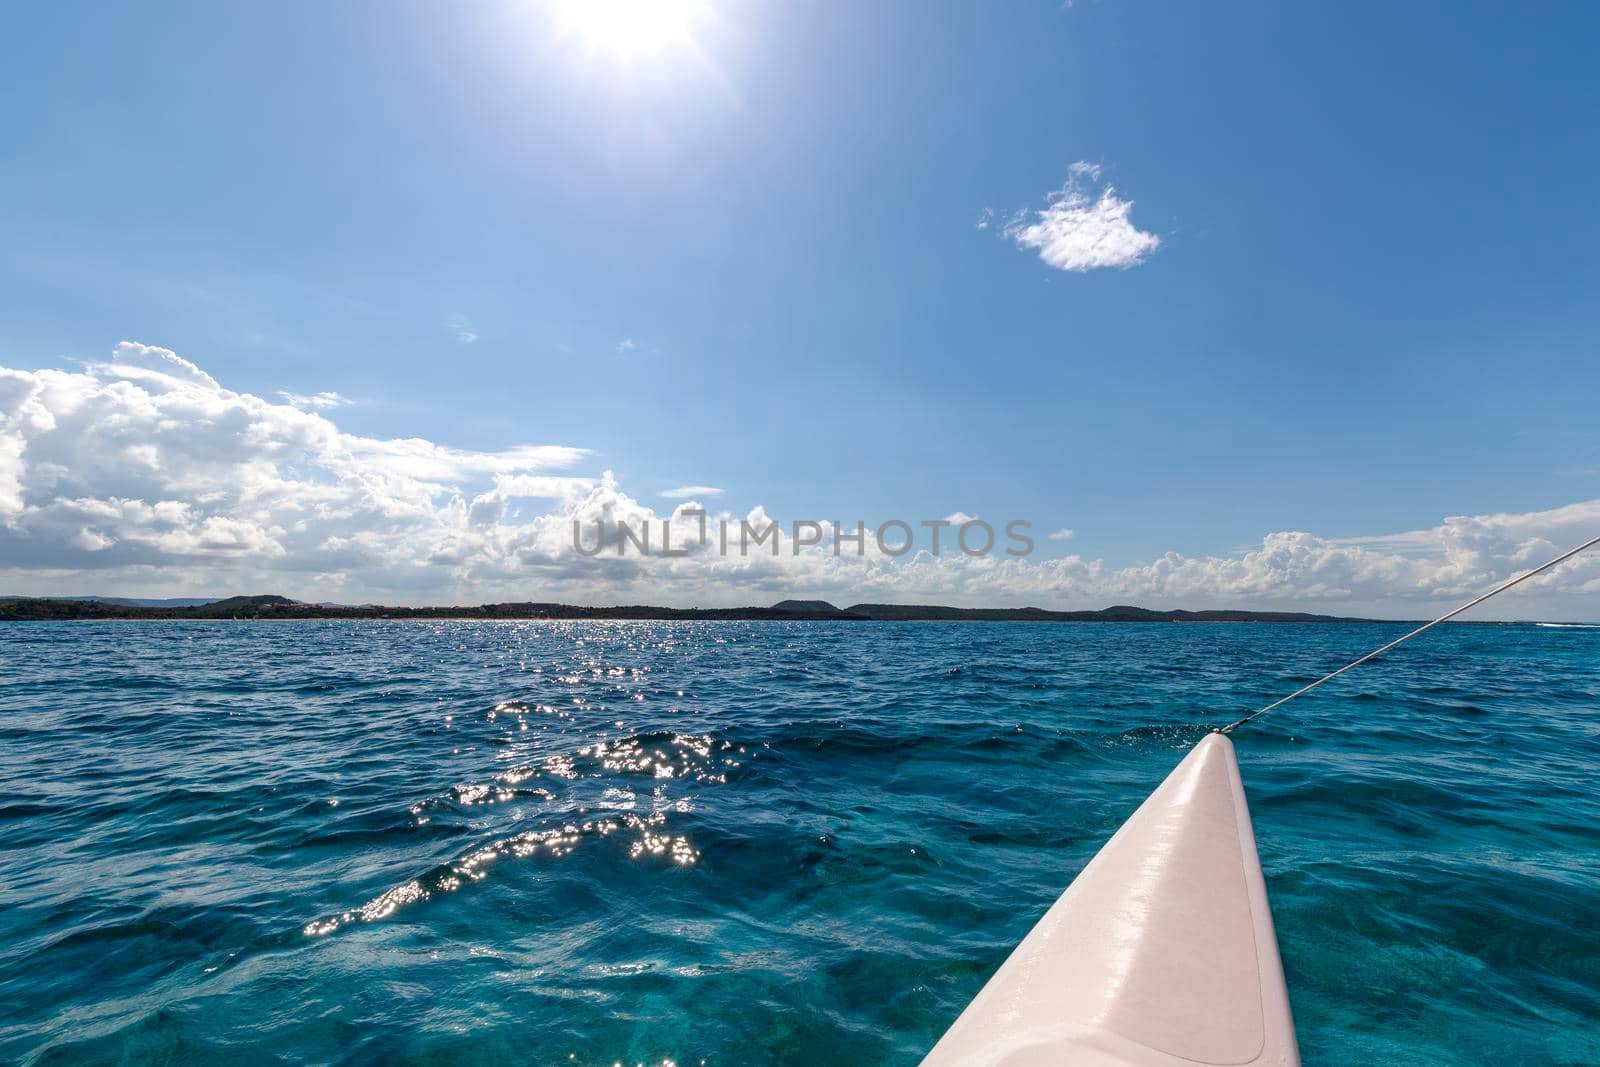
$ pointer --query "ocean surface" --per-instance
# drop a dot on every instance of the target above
(748, 843)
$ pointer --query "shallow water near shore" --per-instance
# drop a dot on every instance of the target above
(739, 843)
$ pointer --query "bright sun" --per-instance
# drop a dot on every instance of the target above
(627, 28)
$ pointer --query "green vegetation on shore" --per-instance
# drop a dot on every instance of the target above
(278, 607)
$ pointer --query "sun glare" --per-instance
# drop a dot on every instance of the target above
(628, 28)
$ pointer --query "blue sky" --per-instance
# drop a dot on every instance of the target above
(751, 260)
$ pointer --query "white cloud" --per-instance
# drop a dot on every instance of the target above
(463, 330)
(1079, 229)
(145, 465)
(1063, 534)
(315, 400)
(144, 475)
(689, 492)
(414, 457)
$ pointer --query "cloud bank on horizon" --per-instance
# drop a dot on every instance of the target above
(143, 475)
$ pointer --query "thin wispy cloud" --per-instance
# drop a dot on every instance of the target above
(1082, 226)
(463, 330)
(315, 401)
(1063, 534)
(690, 492)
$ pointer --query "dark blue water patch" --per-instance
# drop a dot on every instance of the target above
(756, 842)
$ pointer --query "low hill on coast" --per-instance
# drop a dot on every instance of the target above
(280, 607)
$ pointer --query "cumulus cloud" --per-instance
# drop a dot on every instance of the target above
(144, 475)
(144, 464)
(689, 492)
(1080, 229)
(1063, 534)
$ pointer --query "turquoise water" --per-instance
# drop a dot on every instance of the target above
(802, 843)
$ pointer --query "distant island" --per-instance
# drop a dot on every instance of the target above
(18, 609)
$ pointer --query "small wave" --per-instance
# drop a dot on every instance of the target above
(601, 776)
(649, 840)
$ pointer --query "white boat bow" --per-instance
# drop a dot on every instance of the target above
(1161, 953)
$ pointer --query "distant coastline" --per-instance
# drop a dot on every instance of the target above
(19, 609)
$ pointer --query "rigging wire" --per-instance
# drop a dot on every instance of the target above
(1232, 726)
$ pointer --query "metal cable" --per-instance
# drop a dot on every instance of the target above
(1232, 726)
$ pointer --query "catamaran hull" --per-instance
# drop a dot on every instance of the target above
(1161, 953)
